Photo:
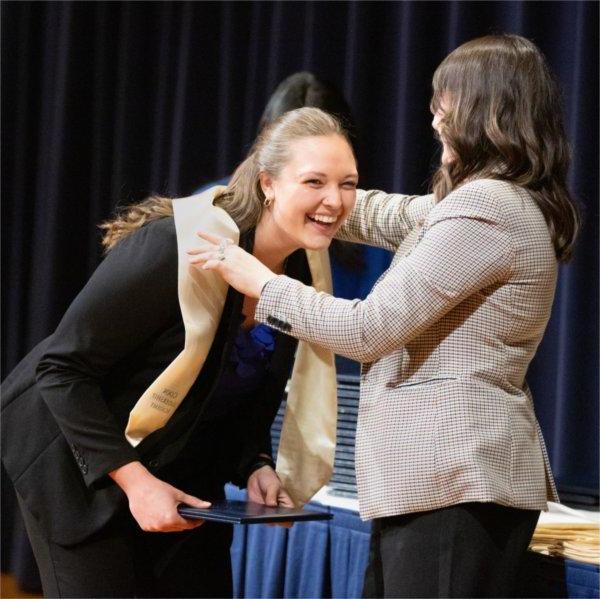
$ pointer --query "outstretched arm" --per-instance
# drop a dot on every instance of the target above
(465, 248)
(384, 219)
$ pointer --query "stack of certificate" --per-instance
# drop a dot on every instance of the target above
(343, 481)
(564, 532)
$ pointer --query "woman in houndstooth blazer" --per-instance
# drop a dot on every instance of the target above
(450, 460)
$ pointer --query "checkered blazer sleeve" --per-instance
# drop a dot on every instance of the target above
(465, 246)
(384, 219)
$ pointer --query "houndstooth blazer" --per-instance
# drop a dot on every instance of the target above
(445, 338)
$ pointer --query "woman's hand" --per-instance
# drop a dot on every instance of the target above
(239, 268)
(153, 502)
(264, 486)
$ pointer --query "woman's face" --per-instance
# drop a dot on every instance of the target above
(438, 115)
(313, 193)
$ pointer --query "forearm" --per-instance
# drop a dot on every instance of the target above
(314, 317)
(130, 475)
(384, 220)
(96, 441)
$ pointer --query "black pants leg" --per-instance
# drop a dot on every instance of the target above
(102, 566)
(123, 561)
(193, 563)
(467, 550)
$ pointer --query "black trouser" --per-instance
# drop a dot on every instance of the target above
(466, 550)
(121, 560)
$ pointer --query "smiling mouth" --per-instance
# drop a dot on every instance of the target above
(323, 221)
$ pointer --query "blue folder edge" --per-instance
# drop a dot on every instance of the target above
(246, 512)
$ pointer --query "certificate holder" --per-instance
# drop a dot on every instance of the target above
(246, 512)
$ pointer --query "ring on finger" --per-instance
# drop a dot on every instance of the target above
(223, 244)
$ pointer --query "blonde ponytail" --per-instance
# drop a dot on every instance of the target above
(243, 198)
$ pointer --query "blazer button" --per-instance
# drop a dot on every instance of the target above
(153, 463)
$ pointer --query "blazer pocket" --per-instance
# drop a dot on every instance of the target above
(425, 382)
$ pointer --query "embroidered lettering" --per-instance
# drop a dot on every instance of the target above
(159, 407)
(160, 397)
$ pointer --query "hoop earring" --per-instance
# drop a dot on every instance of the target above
(267, 202)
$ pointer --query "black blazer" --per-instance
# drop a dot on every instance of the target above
(62, 434)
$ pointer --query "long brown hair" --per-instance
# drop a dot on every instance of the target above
(503, 120)
(243, 198)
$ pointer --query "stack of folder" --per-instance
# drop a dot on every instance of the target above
(343, 480)
(567, 533)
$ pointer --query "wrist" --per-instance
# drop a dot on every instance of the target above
(260, 461)
(264, 283)
(130, 475)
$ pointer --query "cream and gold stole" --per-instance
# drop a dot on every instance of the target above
(307, 446)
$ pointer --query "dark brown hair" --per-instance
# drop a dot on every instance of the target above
(503, 120)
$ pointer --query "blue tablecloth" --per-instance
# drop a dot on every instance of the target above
(312, 559)
(328, 559)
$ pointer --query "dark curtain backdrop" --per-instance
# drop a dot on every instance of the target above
(103, 103)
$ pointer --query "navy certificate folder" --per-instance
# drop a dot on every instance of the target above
(247, 512)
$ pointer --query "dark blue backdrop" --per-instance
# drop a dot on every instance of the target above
(105, 102)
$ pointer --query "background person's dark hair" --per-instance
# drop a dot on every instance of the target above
(503, 120)
(306, 89)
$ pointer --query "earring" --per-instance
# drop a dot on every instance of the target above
(267, 202)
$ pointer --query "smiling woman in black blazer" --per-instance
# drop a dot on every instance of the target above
(92, 503)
